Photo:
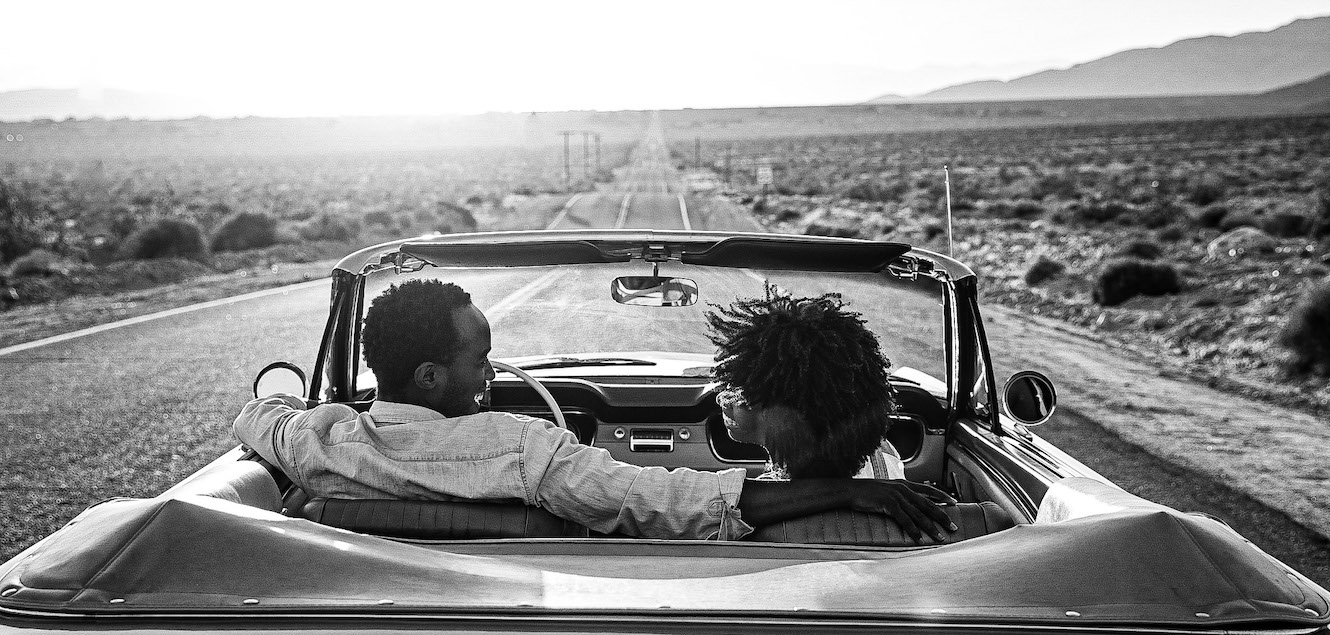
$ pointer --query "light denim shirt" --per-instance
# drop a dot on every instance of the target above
(409, 452)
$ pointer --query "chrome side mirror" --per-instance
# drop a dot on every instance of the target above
(653, 291)
(280, 377)
(1029, 398)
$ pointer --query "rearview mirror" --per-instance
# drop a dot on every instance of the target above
(280, 377)
(1029, 398)
(654, 291)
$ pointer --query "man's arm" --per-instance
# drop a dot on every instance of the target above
(912, 505)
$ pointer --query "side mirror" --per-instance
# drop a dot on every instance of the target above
(1029, 398)
(280, 377)
(654, 291)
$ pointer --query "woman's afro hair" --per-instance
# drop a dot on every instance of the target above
(409, 324)
(818, 358)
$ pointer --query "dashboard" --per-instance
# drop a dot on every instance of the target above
(677, 423)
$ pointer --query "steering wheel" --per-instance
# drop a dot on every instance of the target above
(536, 386)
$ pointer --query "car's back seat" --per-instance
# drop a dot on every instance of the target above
(440, 520)
(847, 527)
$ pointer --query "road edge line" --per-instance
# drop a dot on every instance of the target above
(64, 337)
(563, 213)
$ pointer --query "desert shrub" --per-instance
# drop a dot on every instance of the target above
(244, 230)
(165, 238)
(1235, 220)
(455, 218)
(1142, 249)
(1123, 279)
(1023, 208)
(1286, 224)
(20, 231)
(38, 262)
(1307, 333)
(1043, 269)
(1170, 234)
(872, 190)
(933, 229)
(381, 217)
(820, 228)
(788, 216)
(1205, 189)
(1211, 216)
(330, 227)
(1095, 212)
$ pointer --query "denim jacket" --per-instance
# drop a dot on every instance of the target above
(403, 451)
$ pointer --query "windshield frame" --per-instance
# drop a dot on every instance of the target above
(338, 363)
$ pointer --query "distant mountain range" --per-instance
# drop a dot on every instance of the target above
(1244, 64)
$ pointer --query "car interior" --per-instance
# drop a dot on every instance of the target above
(650, 424)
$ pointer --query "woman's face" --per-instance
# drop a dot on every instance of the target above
(742, 422)
(747, 424)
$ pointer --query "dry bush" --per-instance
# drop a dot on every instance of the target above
(1286, 224)
(20, 229)
(1205, 189)
(1043, 269)
(38, 262)
(245, 230)
(1211, 216)
(165, 238)
(1235, 220)
(1142, 249)
(329, 227)
(1307, 333)
(1170, 234)
(1095, 212)
(1123, 279)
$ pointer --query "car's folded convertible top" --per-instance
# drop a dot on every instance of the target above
(200, 554)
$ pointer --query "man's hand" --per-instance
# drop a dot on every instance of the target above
(914, 506)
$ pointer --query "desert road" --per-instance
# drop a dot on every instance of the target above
(131, 409)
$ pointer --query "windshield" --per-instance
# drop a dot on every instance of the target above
(563, 310)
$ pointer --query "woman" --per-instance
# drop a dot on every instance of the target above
(807, 380)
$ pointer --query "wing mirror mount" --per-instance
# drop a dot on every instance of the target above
(654, 291)
(1029, 398)
(280, 377)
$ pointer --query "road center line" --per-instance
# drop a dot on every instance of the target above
(56, 339)
(563, 213)
(683, 213)
(502, 308)
(623, 212)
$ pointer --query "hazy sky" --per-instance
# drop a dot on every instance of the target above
(386, 57)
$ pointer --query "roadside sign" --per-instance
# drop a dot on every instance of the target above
(764, 175)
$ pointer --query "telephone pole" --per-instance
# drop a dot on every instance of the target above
(567, 170)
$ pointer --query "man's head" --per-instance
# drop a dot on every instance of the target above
(808, 381)
(428, 346)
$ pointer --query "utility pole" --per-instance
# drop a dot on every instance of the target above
(567, 171)
(697, 153)
(586, 154)
(597, 152)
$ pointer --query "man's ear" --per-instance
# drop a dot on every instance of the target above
(429, 375)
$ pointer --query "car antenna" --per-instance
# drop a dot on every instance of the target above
(946, 182)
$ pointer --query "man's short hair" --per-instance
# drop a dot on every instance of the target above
(409, 324)
(818, 358)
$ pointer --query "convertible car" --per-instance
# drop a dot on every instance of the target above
(604, 332)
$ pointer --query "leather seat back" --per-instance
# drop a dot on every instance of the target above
(440, 520)
(847, 527)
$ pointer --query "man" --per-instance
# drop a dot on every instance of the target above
(425, 438)
(808, 381)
